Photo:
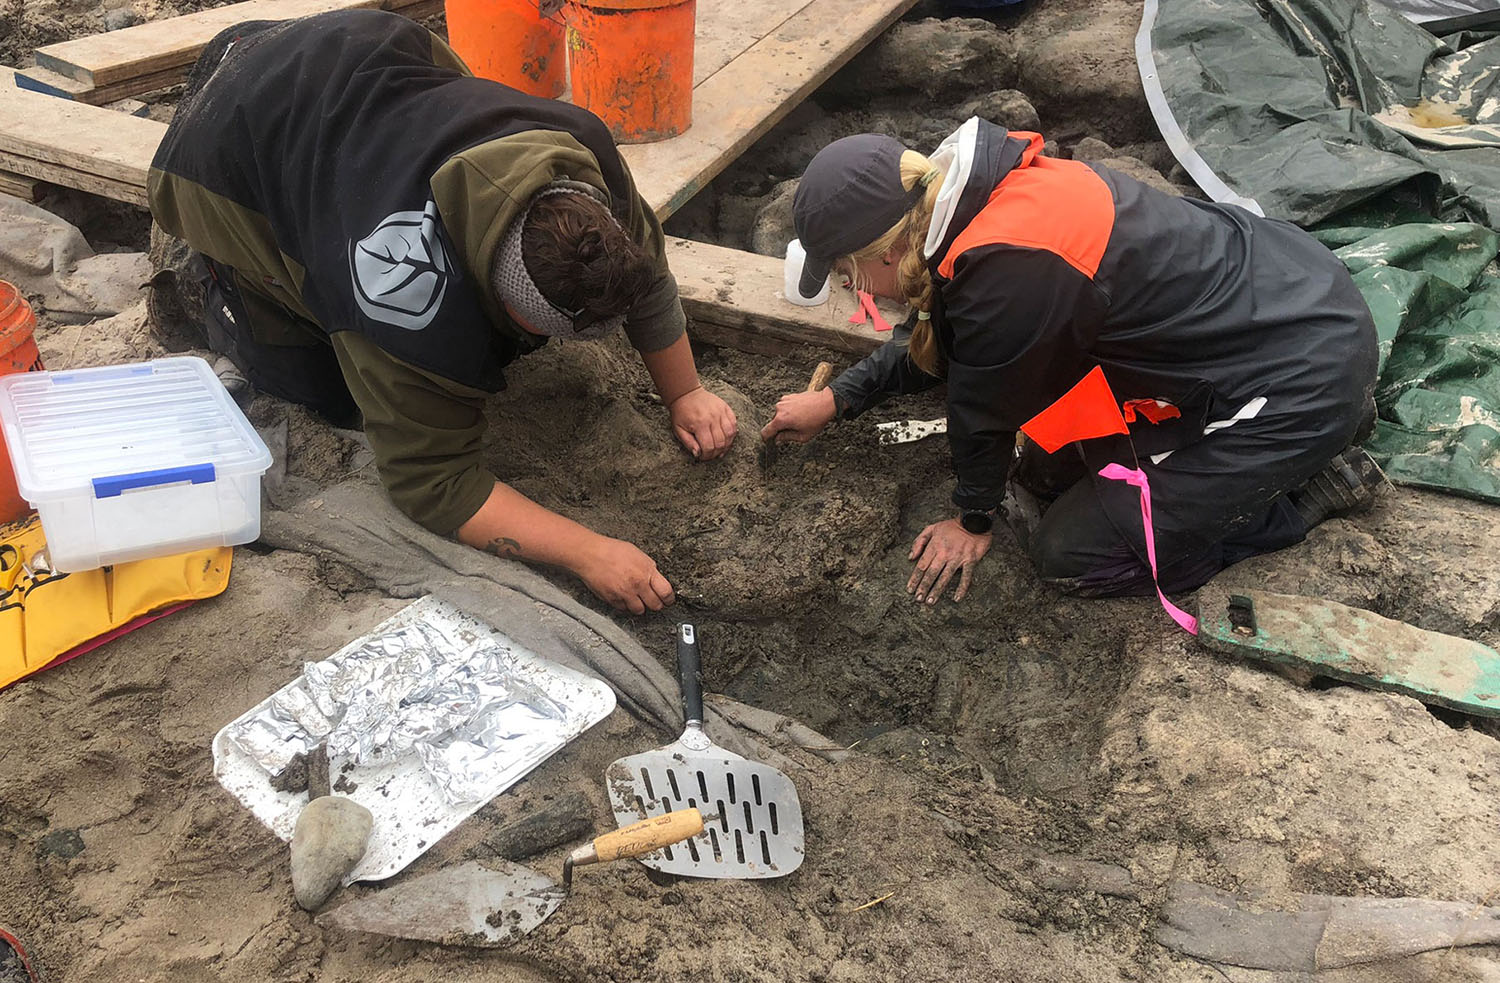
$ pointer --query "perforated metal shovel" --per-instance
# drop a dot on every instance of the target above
(758, 832)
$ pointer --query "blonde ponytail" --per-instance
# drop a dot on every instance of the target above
(911, 274)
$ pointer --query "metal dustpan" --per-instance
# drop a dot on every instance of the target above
(758, 829)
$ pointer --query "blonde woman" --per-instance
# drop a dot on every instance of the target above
(1239, 344)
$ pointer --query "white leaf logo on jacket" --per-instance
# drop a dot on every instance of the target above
(401, 270)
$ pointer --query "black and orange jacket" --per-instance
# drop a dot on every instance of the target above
(1052, 267)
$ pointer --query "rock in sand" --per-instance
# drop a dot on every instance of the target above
(330, 838)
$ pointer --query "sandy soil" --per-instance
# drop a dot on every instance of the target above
(1031, 772)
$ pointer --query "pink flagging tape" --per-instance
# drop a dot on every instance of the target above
(1132, 476)
(867, 309)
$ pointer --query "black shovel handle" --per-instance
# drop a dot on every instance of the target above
(690, 669)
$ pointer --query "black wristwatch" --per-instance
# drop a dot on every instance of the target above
(977, 521)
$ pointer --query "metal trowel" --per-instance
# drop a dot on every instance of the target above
(478, 905)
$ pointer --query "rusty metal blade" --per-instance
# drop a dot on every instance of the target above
(467, 904)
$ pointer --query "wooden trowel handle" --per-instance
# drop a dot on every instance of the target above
(639, 839)
(822, 375)
(636, 840)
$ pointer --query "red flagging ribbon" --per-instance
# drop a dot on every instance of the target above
(867, 309)
(1153, 410)
(1086, 411)
(1133, 476)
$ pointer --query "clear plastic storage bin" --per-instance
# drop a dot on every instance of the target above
(127, 462)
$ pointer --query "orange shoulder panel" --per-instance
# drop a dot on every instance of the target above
(1062, 206)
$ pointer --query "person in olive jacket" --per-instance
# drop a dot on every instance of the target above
(383, 234)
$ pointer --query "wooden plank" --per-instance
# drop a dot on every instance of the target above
(20, 186)
(733, 298)
(41, 80)
(726, 29)
(174, 43)
(67, 177)
(72, 136)
(734, 107)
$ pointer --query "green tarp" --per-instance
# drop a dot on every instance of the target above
(1344, 117)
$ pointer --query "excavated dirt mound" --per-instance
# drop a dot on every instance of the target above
(1030, 773)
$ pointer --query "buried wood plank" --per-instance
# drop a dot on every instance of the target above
(1332, 640)
(739, 103)
(174, 43)
(20, 186)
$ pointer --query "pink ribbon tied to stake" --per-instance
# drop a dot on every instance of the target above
(1132, 476)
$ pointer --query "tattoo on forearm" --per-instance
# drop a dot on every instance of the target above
(503, 546)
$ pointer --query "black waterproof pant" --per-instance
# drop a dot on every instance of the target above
(1209, 510)
(277, 352)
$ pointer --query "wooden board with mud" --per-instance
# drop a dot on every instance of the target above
(1356, 646)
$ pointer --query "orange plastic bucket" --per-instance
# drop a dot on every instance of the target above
(17, 354)
(509, 41)
(632, 64)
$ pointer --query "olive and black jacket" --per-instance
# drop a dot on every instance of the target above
(351, 170)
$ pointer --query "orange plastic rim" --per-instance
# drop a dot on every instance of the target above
(18, 353)
(632, 65)
(509, 41)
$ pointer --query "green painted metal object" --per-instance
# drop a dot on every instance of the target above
(1360, 647)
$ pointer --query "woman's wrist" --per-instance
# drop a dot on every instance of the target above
(668, 403)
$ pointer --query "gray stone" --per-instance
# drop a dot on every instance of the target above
(330, 838)
(1077, 62)
(773, 227)
(1091, 149)
(932, 57)
(735, 218)
(1142, 172)
(1007, 107)
(121, 18)
(786, 151)
(1155, 153)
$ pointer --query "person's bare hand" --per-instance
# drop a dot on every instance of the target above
(626, 577)
(800, 417)
(942, 550)
(704, 423)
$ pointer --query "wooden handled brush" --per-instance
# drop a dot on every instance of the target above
(821, 377)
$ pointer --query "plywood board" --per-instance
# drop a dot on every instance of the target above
(726, 29)
(174, 43)
(72, 136)
(20, 186)
(737, 104)
(125, 191)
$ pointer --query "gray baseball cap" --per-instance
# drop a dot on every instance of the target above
(849, 196)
